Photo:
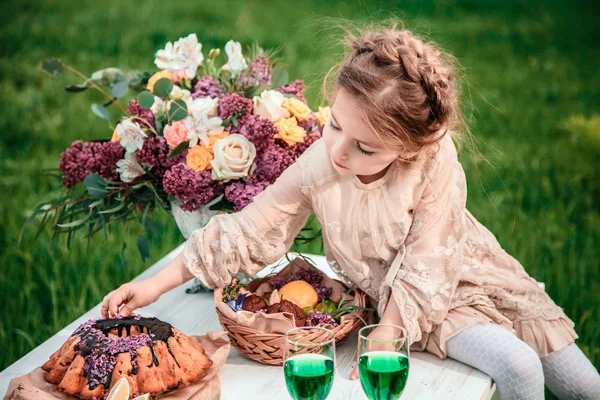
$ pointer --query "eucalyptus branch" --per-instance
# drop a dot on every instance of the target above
(92, 84)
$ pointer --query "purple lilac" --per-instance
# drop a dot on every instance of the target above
(101, 359)
(242, 193)
(82, 159)
(193, 189)
(133, 108)
(154, 153)
(258, 73)
(280, 281)
(318, 318)
(259, 131)
(296, 88)
(299, 148)
(229, 104)
(207, 86)
(272, 161)
(310, 125)
(323, 292)
(311, 276)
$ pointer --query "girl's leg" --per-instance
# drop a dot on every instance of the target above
(570, 375)
(510, 362)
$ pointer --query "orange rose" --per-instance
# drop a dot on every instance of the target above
(297, 108)
(289, 131)
(154, 78)
(199, 158)
(213, 138)
(323, 115)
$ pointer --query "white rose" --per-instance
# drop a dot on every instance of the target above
(200, 126)
(129, 168)
(269, 105)
(185, 54)
(235, 59)
(132, 136)
(234, 158)
(204, 105)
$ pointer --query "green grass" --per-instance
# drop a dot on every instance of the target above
(530, 86)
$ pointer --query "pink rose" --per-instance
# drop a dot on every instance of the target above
(175, 134)
(178, 76)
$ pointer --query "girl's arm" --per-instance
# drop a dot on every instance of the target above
(391, 315)
(246, 241)
(423, 277)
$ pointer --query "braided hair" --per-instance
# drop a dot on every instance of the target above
(406, 87)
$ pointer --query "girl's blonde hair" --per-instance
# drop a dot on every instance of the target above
(406, 88)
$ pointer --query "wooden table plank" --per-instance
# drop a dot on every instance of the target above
(429, 378)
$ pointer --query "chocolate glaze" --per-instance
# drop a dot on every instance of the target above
(92, 340)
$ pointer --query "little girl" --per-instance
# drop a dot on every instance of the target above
(390, 194)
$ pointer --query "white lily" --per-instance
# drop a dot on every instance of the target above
(132, 135)
(200, 126)
(129, 168)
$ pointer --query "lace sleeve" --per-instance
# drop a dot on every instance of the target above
(423, 277)
(256, 236)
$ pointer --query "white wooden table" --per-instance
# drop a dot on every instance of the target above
(241, 378)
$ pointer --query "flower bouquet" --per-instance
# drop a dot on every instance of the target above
(258, 314)
(201, 135)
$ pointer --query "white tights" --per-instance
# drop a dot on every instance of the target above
(518, 371)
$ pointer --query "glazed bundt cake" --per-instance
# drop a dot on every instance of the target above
(153, 356)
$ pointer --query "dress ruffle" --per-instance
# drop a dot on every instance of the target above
(546, 336)
(543, 336)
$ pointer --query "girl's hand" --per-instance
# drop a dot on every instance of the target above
(131, 295)
(134, 295)
(380, 333)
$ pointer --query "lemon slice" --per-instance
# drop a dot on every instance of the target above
(120, 391)
(143, 397)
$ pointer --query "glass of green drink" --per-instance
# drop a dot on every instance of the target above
(383, 361)
(308, 362)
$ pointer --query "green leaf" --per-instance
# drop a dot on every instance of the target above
(152, 228)
(159, 120)
(96, 186)
(279, 77)
(76, 223)
(254, 91)
(108, 76)
(52, 66)
(103, 221)
(123, 260)
(138, 80)
(143, 247)
(178, 110)
(76, 88)
(212, 203)
(233, 119)
(163, 87)
(146, 99)
(180, 147)
(145, 214)
(119, 89)
(112, 210)
(100, 111)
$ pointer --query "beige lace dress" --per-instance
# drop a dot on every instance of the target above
(408, 235)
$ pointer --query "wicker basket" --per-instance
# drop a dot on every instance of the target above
(267, 347)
